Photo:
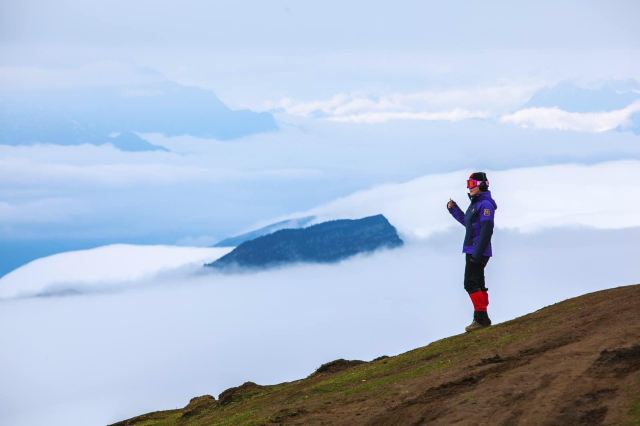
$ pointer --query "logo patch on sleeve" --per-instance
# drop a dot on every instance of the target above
(487, 212)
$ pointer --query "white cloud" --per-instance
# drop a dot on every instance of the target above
(99, 190)
(383, 117)
(528, 199)
(432, 105)
(496, 102)
(89, 165)
(558, 119)
(103, 268)
(204, 187)
(26, 171)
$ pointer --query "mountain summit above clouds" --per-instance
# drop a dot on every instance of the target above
(325, 242)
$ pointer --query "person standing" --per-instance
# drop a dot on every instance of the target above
(478, 221)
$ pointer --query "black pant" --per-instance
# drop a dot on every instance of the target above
(474, 274)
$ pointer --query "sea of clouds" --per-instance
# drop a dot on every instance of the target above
(99, 357)
(143, 328)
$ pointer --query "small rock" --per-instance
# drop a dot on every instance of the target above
(199, 404)
(237, 393)
(337, 365)
(380, 357)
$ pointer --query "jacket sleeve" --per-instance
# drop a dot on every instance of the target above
(486, 214)
(457, 213)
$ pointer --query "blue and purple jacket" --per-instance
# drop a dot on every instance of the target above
(478, 221)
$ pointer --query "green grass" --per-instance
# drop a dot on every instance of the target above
(248, 417)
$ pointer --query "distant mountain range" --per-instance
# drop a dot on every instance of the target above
(113, 115)
(322, 243)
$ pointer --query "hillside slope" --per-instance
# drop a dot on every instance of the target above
(575, 362)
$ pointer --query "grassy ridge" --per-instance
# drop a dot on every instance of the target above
(383, 383)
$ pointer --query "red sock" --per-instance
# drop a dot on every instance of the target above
(486, 299)
(478, 300)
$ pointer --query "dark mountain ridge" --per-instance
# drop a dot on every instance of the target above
(325, 242)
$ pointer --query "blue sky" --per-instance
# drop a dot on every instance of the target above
(249, 50)
(357, 24)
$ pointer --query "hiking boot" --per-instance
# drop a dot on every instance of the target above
(480, 320)
(475, 325)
